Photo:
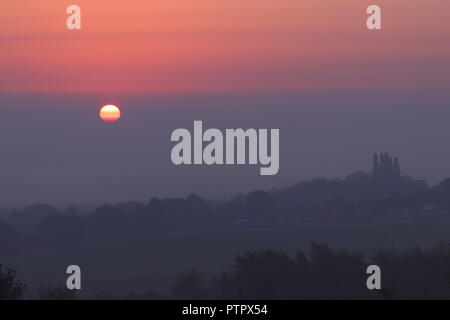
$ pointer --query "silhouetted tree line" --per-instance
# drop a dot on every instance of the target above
(273, 274)
(382, 194)
(324, 274)
(359, 197)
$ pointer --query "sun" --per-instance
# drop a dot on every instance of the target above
(109, 113)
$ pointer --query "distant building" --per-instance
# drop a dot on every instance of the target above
(387, 176)
(385, 167)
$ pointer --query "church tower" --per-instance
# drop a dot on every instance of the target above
(385, 167)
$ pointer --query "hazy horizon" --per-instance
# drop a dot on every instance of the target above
(57, 150)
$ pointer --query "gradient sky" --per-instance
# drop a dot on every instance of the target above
(222, 46)
(337, 91)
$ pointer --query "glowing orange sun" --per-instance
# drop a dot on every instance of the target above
(109, 113)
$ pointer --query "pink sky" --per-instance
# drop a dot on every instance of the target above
(141, 46)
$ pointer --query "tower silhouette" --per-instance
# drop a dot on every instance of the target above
(385, 167)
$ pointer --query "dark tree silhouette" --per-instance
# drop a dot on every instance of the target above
(10, 287)
(189, 286)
